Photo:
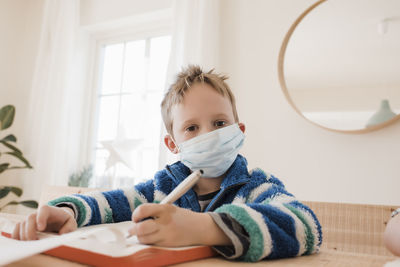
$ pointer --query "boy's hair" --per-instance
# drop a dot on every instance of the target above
(185, 79)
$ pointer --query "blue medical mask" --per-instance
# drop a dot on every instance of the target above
(213, 152)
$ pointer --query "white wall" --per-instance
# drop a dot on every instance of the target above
(19, 28)
(315, 164)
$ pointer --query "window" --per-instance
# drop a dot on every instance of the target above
(127, 134)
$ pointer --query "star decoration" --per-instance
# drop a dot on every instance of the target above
(120, 150)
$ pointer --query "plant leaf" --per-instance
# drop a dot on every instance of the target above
(7, 189)
(16, 150)
(21, 158)
(4, 167)
(9, 138)
(12, 203)
(16, 190)
(29, 203)
(4, 191)
(7, 114)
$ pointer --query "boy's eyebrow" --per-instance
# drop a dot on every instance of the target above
(189, 121)
(221, 115)
(194, 120)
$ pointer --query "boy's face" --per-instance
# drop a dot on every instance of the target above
(203, 110)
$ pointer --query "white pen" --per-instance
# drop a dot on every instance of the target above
(183, 187)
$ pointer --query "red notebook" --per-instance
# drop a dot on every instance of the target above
(151, 256)
(105, 247)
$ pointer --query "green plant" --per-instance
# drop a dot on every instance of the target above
(81, 178)
(7, 114)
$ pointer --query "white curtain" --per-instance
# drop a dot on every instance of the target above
(195, 40)
(55, 104)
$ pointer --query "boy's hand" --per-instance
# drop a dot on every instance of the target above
(172, 226)
(47, 218)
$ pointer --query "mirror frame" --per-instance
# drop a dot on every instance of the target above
(281, 74)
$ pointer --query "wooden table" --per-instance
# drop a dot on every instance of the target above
(326, 257)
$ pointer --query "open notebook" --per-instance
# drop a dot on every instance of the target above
(99, 245)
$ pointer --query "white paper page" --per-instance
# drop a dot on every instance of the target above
(13, 250)
(107, 239)
(113, 243)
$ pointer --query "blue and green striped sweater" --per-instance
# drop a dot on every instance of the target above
(276, 224)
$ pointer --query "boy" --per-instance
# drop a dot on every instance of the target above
(246, 216)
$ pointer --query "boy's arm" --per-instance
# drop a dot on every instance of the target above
(106, 207)
(275, 223)
(239, 239)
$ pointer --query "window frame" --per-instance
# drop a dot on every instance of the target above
(139, 27)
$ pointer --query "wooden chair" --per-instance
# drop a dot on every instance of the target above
(354, 228)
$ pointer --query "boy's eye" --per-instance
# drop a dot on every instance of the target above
(219, 123)
(191, 128)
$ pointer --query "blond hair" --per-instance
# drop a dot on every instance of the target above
(185, 79)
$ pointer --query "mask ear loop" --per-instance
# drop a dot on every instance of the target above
(176, 145)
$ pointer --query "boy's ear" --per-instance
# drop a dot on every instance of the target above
(242, 127)
(169, 142)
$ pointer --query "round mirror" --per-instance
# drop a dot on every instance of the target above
(339, 64)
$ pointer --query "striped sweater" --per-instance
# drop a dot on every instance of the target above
(275, 223)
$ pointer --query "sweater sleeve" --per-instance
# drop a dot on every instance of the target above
(106, 207)
(235, 232)
(277, 224)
